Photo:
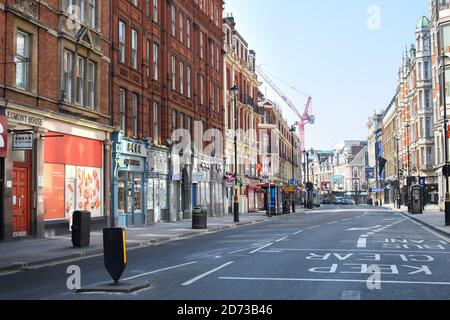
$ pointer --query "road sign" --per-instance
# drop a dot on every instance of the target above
(370, 173)
(292, 182)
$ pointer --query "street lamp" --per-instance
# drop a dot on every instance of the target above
(234, 91)
(445, 171)
(397, 138)
(293, 129)
(408, 141)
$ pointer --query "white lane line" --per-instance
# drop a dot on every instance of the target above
(313, 227)
(159, 270)
(187, 283)
(351, 295)
(247, 248)
(364, 236)
(260, 248)
(335, 280)
(333, 222)
(279, 240)
(366, 250)
(362, 243)
(297, 232)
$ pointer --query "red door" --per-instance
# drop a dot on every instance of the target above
(20, 201)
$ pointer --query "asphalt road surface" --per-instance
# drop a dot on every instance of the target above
(332, 253)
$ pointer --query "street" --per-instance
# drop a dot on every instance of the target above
(331, 253)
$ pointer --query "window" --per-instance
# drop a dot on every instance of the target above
(181, 77)
(212, 55)
(122, 105)
(428, 127)
(155, 124)
(181, 121)
(188, 80)
(211, 9)
(135, 3)
(121, 42)
(188, 33)
(213, 99)
(134, 48)
(218, 98)
(201, 45)
(155, 10)
(217, 58)
(147, 8)
(135, 102)
(420, 71)
(91, 84)
(174, 120)
(80, 81)
(181, 27)
(420, 99)
(155, 61)
(217, 16)
(22, 59)
(147, 59)
(202, 90)
(422, 128)
(189, 126)
(426, 70)
(173, 74)
(173, 21)
(68, 76)
(92, 13)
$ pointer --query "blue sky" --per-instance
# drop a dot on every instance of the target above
(325, 49)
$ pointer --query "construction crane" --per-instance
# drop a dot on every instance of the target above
(305, 118)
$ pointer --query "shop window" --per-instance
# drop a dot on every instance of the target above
(137, 193)
(163, 194)
(121, 192)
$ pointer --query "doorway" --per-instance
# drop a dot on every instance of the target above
(21, 203)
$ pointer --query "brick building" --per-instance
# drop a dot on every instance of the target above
(167, 75)
(54, 101)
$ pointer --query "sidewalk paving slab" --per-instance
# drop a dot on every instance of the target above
(432, 217)
(26, 254)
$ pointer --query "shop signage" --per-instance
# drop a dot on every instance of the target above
(23, 141)
(289, 189)
(198, 176)
(245, 181)
(3, 136)
(153, 175)
(176, 177)
(23, 118)
(131, 164)
(133, 148)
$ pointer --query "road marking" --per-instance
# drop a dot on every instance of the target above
(187, 283)
(336, 280)
(295, 233)
(159, 270)
(430, 231)
(279, 240)
(362, 243)
(351, 295)
(363, 229)
(247, 248)
(313, 227)
(364, 236)
(260, 248)
(366, 250)
(333, 222)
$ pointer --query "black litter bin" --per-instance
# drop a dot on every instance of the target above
(286, 208)
(205, 217)
(81, 229)
(198, 218)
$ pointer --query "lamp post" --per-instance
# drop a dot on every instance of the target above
(443, 87)
(234, 90)
(398, 173)
(407, 126)
(293, 128)
(304, 176)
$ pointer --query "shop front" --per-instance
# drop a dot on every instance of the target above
(252, 195)
(157, 191)
(51, 168)
(129, 181)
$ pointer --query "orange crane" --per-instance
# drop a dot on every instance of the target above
(305, 118)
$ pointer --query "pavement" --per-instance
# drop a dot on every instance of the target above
(329, 253)
(26, 254)
(432, 217)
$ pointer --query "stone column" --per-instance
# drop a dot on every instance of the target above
(38, 183)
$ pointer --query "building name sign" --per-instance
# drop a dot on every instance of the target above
(24, 119)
